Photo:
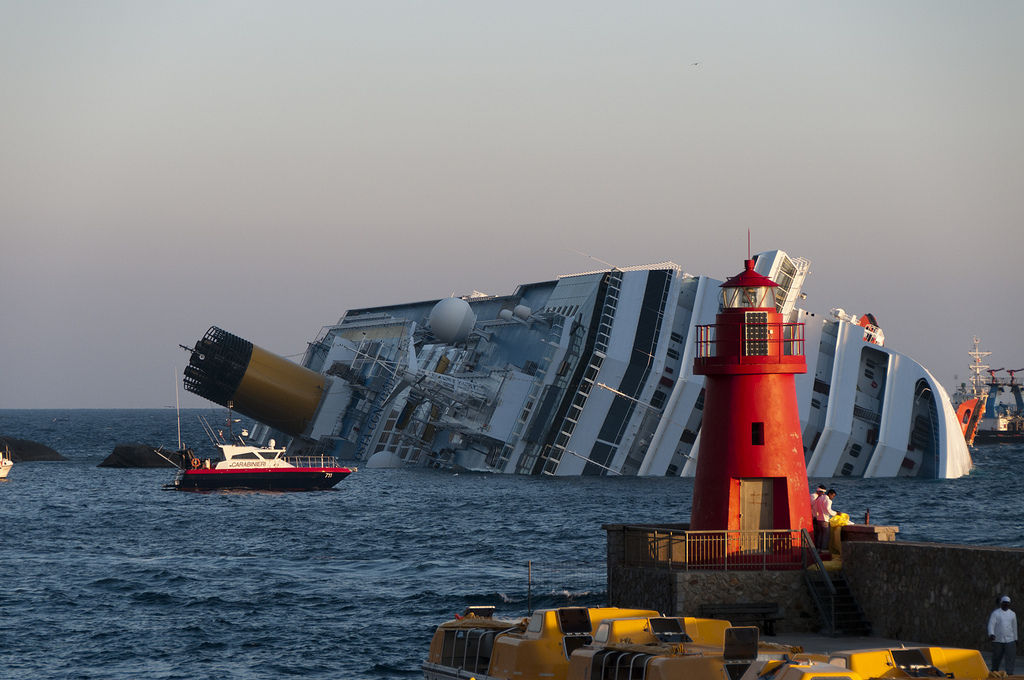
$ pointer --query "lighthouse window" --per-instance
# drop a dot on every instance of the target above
(757, 434)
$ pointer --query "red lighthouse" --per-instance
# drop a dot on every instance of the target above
(751, 473)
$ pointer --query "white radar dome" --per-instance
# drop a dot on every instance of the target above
(522, 311)
(505, 315)
(452, 319)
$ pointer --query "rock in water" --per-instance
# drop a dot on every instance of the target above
(139, 456)
(28, 450)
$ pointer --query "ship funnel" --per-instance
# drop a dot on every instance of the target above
(226, 369)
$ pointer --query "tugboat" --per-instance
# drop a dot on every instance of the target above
(245, 466)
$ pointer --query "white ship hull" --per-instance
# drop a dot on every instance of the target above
(592, 374)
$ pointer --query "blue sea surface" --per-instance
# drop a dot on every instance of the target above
(106, 575)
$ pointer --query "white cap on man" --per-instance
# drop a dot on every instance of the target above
(1005, 598)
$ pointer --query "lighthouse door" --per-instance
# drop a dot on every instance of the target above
(756, 510)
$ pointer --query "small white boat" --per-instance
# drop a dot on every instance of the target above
(245, 466)
(6, 461)
(252, 467)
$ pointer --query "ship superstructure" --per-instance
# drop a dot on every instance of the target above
(590, 373)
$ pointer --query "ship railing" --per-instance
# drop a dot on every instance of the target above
(312, 461)
(679, 549)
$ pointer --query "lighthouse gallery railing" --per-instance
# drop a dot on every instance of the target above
(758, 339)
(646, 546)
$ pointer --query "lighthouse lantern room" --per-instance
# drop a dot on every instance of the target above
(751, 474)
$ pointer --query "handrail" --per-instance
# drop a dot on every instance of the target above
(828, 613)
(312, 461)
(726, 550)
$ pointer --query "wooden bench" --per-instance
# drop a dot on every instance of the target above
(762, 614)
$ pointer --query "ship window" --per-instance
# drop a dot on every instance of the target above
(847, 469)
(688, 436)
(815, 403)
(668, 369)
(868, 373)
(658, 399)
(855, 451)
(757, 434)
(676, 338)
(672, 354)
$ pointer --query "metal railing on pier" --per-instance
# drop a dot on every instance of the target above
(713, 550)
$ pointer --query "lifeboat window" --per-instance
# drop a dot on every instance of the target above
(669, 630)
(574, 620)
(247, 456)
(536, 622)
(757, 434)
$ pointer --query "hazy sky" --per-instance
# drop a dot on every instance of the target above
(264, 166)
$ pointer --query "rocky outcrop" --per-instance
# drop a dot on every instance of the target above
(28, 450)
(140, 456)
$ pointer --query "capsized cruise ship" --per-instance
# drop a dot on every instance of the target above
(588, 374)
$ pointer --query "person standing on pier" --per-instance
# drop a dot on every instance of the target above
(1002, 631)
(822, 511)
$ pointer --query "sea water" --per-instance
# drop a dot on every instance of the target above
(103, 574)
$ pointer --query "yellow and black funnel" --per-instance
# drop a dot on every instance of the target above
(225, 368)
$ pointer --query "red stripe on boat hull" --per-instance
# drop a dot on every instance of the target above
(269, 479)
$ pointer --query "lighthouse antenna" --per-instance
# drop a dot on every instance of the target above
(748, 243)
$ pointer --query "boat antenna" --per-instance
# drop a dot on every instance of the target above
(177, 404)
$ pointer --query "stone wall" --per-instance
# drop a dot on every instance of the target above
(681, 593)
(916, 592)
(933, 592)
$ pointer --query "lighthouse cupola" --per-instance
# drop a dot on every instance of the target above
(751, 473)
(749, 290)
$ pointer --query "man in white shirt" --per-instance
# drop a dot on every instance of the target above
(1002, 631)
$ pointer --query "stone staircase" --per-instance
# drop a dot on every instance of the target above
(840, 613)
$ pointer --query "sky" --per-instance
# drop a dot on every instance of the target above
(265, 166)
